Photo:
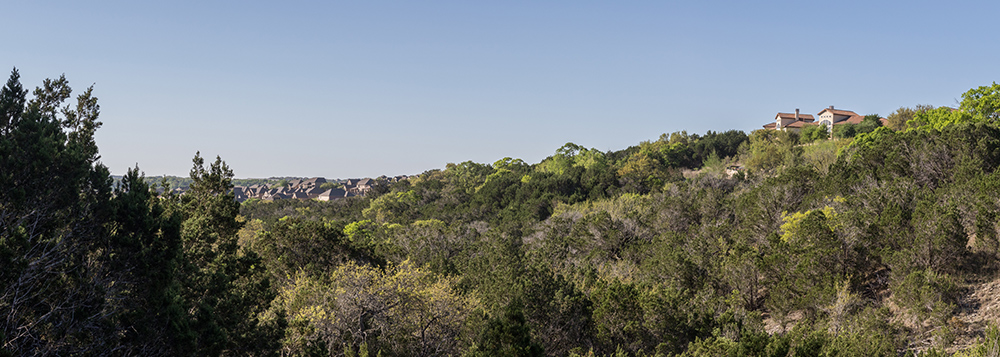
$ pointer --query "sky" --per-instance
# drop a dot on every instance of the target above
(341, 89)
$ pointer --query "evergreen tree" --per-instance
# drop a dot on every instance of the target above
(52, 209)
(224, 287)
(144, 256)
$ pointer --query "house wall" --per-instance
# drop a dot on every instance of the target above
(827, 118)
(782, 122)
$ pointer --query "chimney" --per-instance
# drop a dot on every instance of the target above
(796, 114)
(831, 107)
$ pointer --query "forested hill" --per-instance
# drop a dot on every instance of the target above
(884, 243)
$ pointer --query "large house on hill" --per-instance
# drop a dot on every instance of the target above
(828, 116)
(790, 121)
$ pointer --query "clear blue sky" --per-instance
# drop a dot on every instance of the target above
(365, 88)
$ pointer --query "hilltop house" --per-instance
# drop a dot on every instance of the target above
(828, 116)
(790, 121)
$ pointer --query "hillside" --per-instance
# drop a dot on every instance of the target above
(884, 242)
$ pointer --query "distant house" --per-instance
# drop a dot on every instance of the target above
(313, 182)
(332, 194)
(275, 196)
(240, 193)
(314, 191)
(359, 187)
(790, 121)
(828, 116)
(831, 117)
(307, 189)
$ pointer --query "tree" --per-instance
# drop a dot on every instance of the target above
(225, 288)
(867, 125)
(899, 118)
(769, 150)
(52, 210)
(725, 144)
(983, 103)
(566, 157)
(937, 119)
(813, 133)
(402, 310)
(508, 335)
(146, 249)
(12, 98)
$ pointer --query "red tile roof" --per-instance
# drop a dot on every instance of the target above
(854, 119)
(838, 112)
(806, 117)
(798, 124)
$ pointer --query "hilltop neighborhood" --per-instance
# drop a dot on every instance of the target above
(316, 188)
(308, 189)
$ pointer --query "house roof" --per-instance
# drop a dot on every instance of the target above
(798, 124)
(770, 125)
(838, 112)
(276, 196)
(315, 180)
(333, 192)
(805, 117)
(854, 119)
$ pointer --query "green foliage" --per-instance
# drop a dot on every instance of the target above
(507, 335)
(146, 247)
(813, 133)
(768, 151)
(293, 245)
(402, 310)
(224, 288)
(867, 125)
(813, 258)
(863, 246)
(898, 119)
(801, 341)
(330, 185)
(982, 103)
(53, 211)
(937, 119)
(392, 208)
(927, 298)
(979, 105)
(821, 155)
